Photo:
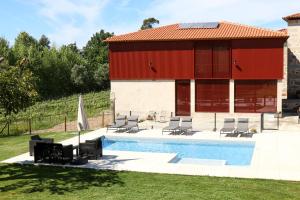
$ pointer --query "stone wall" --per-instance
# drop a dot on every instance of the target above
(293, 51)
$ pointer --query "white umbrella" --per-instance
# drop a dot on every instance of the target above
(82, 122)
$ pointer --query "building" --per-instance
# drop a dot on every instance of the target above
(198, 67)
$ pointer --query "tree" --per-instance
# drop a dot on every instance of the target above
(4, 48)
(44, 42)
(17, 89)
(96, 54)
(149, 22)
(80, 76)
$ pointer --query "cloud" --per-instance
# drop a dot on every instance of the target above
(71, 20)
(243, 11)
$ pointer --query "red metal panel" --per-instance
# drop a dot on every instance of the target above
(255, 96)
(212, 95)
(257, 59)
(183, 98)
(151, 60)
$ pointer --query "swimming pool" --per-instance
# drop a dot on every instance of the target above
(231, 152)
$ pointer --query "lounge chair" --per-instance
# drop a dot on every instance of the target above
(120, 122)
(186, 124)
(229, 126)
(242, 126)
(132, 124)
(173, 125)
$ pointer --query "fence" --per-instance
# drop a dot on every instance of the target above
(59, 117)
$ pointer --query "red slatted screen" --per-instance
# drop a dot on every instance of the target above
(212, 60)
(203, 61)
(255, 96)
(212, 96)
(221, 61)
(183, 98)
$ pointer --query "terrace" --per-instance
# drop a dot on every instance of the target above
(275, 155)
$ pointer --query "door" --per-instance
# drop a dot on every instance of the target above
(183, 98)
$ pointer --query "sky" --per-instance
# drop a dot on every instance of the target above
(69, 21)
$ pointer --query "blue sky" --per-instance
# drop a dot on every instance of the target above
(68, 21)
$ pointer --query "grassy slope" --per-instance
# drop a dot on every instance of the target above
(14, 145)
(32, 182)
(47, 114)
(93, 102)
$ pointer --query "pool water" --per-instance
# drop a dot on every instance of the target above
(234, 153)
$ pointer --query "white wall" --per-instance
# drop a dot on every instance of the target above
(143, 96)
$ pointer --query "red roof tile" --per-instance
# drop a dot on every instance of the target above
(225, 31)
(293, 16)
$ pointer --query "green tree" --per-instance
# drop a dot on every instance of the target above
(4, 48)
(17, 89)
(80, 77)
(96, 54)
(148, 23)
(44, 42)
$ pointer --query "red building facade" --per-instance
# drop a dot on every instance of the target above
(252, 58)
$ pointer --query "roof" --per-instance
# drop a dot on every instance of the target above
(225, 31)
(293, 16)
(284, 30)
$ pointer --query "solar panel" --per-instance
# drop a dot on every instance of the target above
(209, 25)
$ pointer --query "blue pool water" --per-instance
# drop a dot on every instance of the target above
(235, 153)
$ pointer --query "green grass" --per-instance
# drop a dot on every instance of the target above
(41, 182)
(46, 114)
(14, 145)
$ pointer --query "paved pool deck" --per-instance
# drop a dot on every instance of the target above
(276, 156)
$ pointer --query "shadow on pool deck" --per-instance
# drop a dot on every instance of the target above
(56, 180)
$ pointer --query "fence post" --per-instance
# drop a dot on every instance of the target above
(8, 127)
(103, 119)
(65, 123)
(261, 122)
(215, 122)
(29, 124)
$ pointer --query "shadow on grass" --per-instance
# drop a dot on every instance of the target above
(56, 180)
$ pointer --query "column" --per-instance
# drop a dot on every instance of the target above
(231, 96)
(279, 95)
(192, 97)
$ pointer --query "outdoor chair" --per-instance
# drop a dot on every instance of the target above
(229, 126)
(173, 125)
(163, 116)
(186, 124)
(91, 149)
(53, 153)
(242, 126)
(120, 122)
(37, 139)
(132, 124)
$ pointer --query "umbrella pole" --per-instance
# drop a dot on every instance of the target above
(78, 143)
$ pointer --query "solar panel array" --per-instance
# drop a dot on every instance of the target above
(209, 25)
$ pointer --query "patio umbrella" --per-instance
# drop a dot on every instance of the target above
(82, 122)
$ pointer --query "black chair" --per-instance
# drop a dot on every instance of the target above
(92, 149)
(53, 153)
(37, 139)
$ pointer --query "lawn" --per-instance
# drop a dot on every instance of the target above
(14, 145)
(41, 182)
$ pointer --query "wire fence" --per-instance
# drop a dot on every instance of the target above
(58, 117)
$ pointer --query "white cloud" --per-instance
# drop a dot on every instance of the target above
(243, 11)
(72, 20)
